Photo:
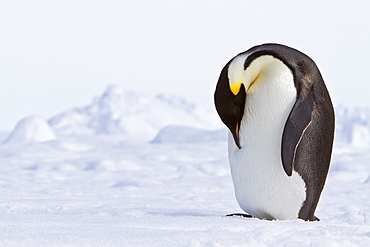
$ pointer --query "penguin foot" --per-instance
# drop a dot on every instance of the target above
(240, 215)
(315, 219)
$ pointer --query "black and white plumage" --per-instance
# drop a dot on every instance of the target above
(281, 120)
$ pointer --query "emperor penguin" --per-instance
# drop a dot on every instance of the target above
(274, 101)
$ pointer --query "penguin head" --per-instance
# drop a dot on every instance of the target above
(230, 96)
(236, 80)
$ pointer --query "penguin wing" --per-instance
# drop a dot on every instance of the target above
(295, 126)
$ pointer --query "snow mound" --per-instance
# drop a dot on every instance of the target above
(134, 115)
(31, 129)
(183, 134)
(353, 127)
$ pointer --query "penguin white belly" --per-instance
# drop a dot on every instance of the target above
(262, 187)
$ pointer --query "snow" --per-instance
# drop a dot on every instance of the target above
(185, 134)
(31, 129)
(132, 114)
(98, 184)
(353, 126)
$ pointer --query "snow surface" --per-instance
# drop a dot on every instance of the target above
(104, 183)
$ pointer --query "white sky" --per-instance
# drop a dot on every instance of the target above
(55, 55)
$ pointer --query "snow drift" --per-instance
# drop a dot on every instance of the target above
(183, 134)
(133, 115)
(353, 126)
(31, 129)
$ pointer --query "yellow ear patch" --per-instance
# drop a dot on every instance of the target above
(235, 88)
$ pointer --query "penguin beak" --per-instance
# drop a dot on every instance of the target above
(235, 134)
(235, 87)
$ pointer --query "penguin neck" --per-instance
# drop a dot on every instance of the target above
(267, 107)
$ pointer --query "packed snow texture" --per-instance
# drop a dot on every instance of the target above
(134, 170)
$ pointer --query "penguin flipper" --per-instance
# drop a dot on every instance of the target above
(297, 122)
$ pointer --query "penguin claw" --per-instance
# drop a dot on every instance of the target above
(240, 215)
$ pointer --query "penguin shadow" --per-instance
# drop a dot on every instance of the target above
(239, 215)
(250, 216)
